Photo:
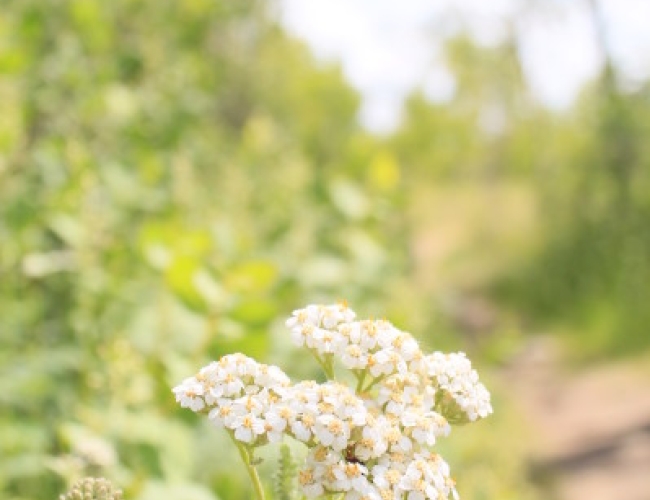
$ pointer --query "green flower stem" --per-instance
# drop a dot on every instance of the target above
(246, 457)
(329, 368)
(360, 378)
(374, 382)
(326, 364)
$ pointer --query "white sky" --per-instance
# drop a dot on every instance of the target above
(389, 47)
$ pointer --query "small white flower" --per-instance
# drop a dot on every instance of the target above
(386, 477)
(351, 476)
(354, 358)
(251, 404)
(383, 362)
(395, 404)
(332, 431)
(325, 341)
(350, 407)
(190, 394)
(407, 346)
(372, 443)
(369, 333)
(302, 427)
(247, 428)
(331, 316)
(231, 384)
(321, 316)
(397, 441)
(386, 334)
(222, 415)
(277, 420)
(270, 376)
(310, 483)
(305, 316)
(395, 460)
(427, 427)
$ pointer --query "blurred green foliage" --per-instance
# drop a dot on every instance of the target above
(593, 272)
(584, 267)
(176, 177)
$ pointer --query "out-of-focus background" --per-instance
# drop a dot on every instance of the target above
(177, 176)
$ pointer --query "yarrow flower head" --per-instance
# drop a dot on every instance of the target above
(370, 442)
(238, 393)
(463, 396)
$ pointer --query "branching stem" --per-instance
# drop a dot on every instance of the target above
(374, 382)
(326, 364)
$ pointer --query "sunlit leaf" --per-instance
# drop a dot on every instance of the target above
(180, 276)
(349, 199)
(254, 312)
(251, 277)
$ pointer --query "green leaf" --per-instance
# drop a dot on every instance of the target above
(254, 312)
(252, 276)
(181, 277)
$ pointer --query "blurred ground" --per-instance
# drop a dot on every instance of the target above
(470, 230)
(589, 428)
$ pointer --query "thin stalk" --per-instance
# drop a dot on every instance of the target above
(252, 471)
(360, 379)
(329, 367)
(374, 382)
(319, 360)
(326, 364)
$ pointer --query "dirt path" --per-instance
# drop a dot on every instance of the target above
(592, 428)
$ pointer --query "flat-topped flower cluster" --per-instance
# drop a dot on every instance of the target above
(373, 442)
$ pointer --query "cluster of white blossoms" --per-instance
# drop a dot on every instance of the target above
(238, 393)
(375, 346)
(370, 443)
(454, 377)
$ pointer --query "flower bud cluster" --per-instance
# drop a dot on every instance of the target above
(372, 443)
(91, 488)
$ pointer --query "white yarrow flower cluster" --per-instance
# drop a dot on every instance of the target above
(238, 393)
(453, 374)
(325, 414)
(315, 326)
(370, 443)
